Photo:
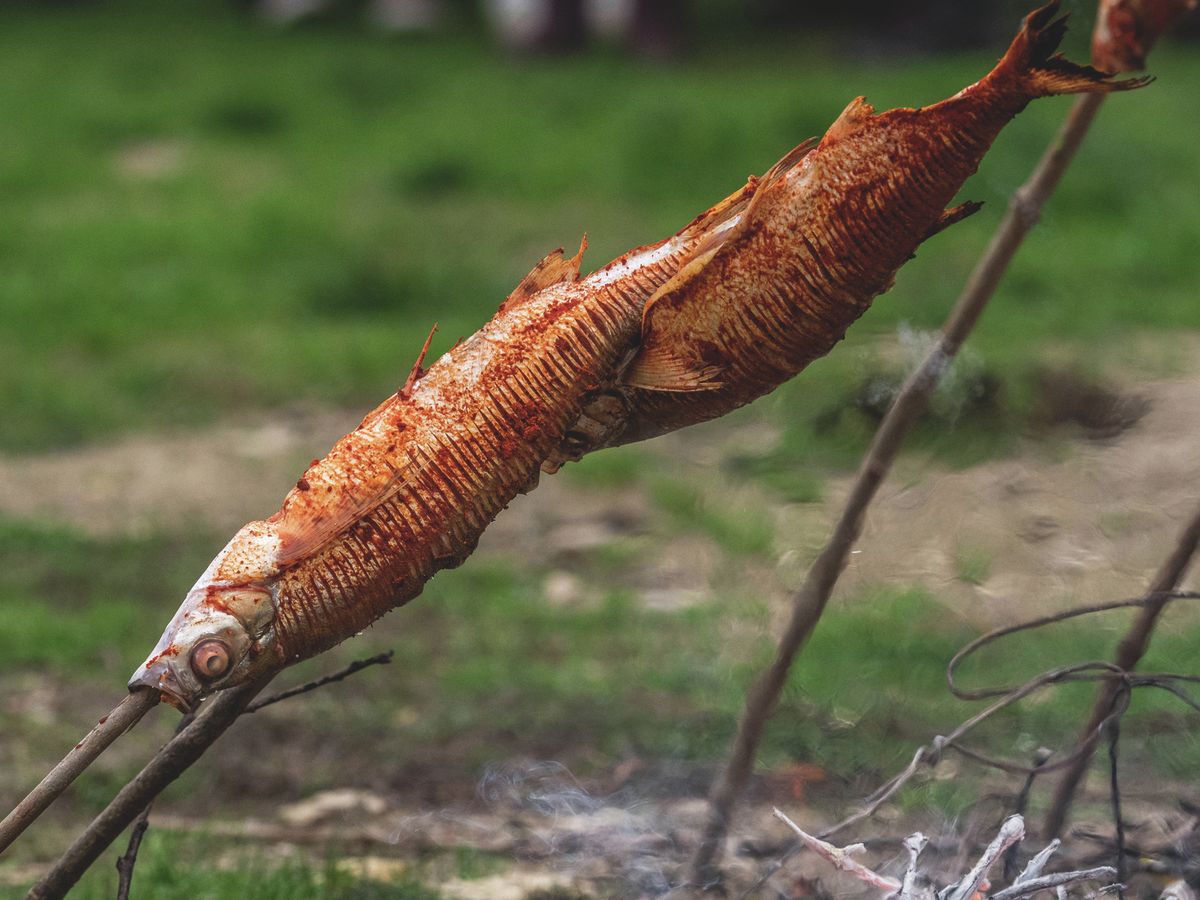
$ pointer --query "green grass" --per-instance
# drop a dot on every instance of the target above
(487, 667)
(973, 565)
(744, 532)
(196, 867)
(201, 214)
(69, 601)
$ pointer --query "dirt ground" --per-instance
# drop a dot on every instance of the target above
(1085, 518)
(1088, 518)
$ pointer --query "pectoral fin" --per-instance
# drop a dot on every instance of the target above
(323, 504)
(952, 215)
(658, 369)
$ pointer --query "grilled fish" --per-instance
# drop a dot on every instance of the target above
(664, 336)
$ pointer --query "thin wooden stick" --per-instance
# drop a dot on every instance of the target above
(194, 736)
(128, 859)
(379, 659)
(213, 718)
(808, 603)
(124, 716)
(1129, 653)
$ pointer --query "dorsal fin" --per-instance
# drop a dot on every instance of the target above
(416, 372)
(663, 367)
(858, 112)
(790, 160)
(715, 220)
(551, 270)
(748, 203)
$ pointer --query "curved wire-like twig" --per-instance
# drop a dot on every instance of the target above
(1086, 671)
(1157, 598)
(1130, 650)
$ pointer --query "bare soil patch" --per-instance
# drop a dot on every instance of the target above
(1087, 516)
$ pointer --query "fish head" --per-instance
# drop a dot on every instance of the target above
(223, 633)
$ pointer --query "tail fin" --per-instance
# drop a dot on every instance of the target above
(1033, 62)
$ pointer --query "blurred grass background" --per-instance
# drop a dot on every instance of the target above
(202, 217)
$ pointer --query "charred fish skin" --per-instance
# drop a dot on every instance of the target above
(823, 236)
(410, 490)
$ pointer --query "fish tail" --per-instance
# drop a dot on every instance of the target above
(1032, 61)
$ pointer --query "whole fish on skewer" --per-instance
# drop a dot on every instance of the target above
(730, 307)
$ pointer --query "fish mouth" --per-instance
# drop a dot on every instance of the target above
(160, 677)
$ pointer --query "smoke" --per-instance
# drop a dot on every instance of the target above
(965, 383)
(620, 837)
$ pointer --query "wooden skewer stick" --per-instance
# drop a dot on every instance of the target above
(124, 716)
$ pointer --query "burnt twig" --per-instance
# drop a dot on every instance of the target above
(914, 844)
(840, 858)
(973, 883)
(1006, 696)
(1011, 832)
(1055, 880)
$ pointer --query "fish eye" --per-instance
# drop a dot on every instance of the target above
(210, 659)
